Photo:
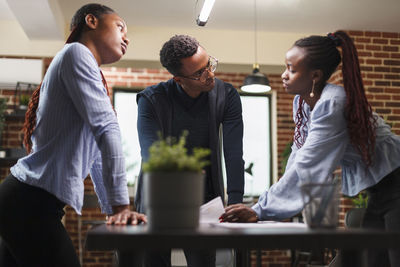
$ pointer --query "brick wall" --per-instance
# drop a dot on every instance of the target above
(379, 55)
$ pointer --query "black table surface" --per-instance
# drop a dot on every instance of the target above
(128, 238)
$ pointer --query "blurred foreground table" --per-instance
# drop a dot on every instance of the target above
(131, 241)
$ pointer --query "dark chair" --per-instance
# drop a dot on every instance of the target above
(352, 219)
(90, 201)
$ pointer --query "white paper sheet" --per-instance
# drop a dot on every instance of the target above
(261, 224)
(211, 211)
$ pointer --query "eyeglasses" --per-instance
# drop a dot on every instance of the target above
(201, 75)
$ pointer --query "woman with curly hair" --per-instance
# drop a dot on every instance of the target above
(70, 130)
(335, 126)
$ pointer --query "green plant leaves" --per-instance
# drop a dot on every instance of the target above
(169, 155)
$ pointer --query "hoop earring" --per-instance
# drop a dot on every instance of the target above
(312, 89)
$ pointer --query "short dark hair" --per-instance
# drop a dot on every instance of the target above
(78, 20)
(176, 48)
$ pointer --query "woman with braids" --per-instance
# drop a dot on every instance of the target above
(71, 129)
(335, 126)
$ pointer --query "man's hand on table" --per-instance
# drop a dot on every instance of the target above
(239, 213)
(123, 215)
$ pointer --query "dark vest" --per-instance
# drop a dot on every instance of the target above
(160, 96)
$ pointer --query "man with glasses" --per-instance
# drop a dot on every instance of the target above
(210, 110)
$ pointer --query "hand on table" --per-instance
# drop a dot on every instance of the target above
(239, 213)
(123, 215)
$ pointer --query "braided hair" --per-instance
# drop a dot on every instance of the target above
(77, 27)
(322, 54)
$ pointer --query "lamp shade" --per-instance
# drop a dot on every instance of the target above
(256, 82)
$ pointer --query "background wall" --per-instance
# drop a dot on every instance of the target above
(379, 54)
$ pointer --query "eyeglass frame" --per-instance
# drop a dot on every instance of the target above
(208, 68)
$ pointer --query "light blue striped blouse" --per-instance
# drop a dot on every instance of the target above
(326, 147)
(76, 133)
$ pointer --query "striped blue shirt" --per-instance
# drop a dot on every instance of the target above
(76, 133)
(327, 146)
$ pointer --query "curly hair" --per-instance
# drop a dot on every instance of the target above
(77, 25)
(321, 53)
(175, 49)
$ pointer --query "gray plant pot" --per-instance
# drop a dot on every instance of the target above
(173, 200)
(354, 217)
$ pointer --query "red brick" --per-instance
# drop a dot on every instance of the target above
(395, 55)
(368, 82)
(373, 47)
(154, 71)
(376, 104)
(394, 42)
(395, 70)
(138, 70)
(125, 77)
(392, 90)
(363, 40)
(366, 68)
(392, 62)
(393, 118)
(374, 61)
(356, 33)
(382, 97)
(8, 92)
(392, 77)
(383, 111)
(359, 47)
(390, 34)
(375, 90)
(382, 83)
(374, 75)
(373, 34)
(392, 104)
(143, 77)
(390, 48)
(380, 41)
(381, 54)
(364, 54)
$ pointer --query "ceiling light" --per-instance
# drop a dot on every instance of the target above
(256, 82)
(205, 12)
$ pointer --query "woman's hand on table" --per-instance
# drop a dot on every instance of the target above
(239, 213)
(123, 215)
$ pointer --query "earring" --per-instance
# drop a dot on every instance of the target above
(312, 89)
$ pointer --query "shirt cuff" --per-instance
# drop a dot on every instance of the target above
(118, 197)
(234, 198)
(257, 208)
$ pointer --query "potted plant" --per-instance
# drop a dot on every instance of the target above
(23, 103)
(354, 216)
(174, 184)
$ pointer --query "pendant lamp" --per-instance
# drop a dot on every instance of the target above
(256, 82)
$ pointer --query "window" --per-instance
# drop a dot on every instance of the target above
(126, 108)
(257, 139)
(257, 142)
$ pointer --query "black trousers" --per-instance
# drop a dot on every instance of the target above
(194, 258)
(30, 228)
(383, 212)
